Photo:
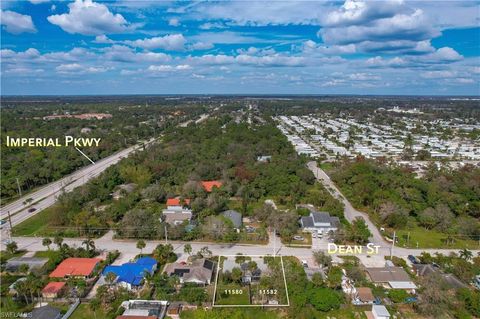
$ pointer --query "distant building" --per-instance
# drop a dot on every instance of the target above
(235, 217)
(131, 275)
(264, 159)
(209, 185)
(199, 271)
(123, 190)
(53, 289)
(320, 222)
(76, 267)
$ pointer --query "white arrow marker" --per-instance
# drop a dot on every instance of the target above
(85, 155)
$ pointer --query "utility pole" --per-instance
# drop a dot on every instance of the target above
(10, 223)
(393, 245)
(274, 242)
(19, 189)
(166, 238)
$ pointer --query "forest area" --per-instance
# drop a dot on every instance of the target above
(218, 149)
(445, 201)
(129, 123)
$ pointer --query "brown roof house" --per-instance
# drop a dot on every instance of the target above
(364, 296)
(200, 271)
(391, 278)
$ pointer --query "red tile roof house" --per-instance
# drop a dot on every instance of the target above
(176, 212)
(209, 185)
(175, 202)
(76, 267)
(53, 289)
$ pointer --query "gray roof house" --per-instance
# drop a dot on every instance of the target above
(234, 216)
(450, 279)
(199, 271)
(32, 262)
(320, 222)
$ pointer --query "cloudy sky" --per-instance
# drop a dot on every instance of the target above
(275, 47)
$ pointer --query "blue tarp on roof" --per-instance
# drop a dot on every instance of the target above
(132, 273)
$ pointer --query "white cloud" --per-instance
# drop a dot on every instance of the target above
(90, 18)
(378, 61)
(17, 23)
(212, 25)
(121, 53)
(438, 74)
(171, 42)
(75, 68)
(445, 54)
(38, 1)
(103, 39)
(174, 22)
(200, 46)
(245, 59)
(168, 68)
(380, 26)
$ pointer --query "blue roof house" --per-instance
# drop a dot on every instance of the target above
(131, 274)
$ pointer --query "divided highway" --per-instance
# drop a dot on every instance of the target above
(47, 195)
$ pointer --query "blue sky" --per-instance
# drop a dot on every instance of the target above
(240, 47)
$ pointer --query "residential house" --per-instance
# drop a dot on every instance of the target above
(391, 278)
(200, 271)
(12, 288)
(208, 186)
(76, 267)
(378, 312)
(235, 217)
(13, 264)
(177, 211)
(320, 222)
(131, 274)
(364, 296)
(427, 269)
(53, 289)
(144, 309)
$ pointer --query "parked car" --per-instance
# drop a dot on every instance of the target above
(31, 210)
(304, 264)
(297, 237)
(413, 259)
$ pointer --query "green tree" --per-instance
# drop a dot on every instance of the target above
(236, 274)
(359, 232)
(466, 254)
(47, 242)
(324, 299)
(12, 247)
(322, 259)
(58, 241)
(187, 249)
(140, 245)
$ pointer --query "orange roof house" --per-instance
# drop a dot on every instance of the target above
(75, 267)
(209, 185)
(177, 202)
(53, 289)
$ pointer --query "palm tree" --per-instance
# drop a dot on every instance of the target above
(58, 241)
(23, 269)
(89, 244)
(466, 254)
(110, 278)
(12, 247)
(140, 245)
(47, 242)
(187, 249)
(148, 278)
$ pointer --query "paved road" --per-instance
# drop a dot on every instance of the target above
(47, 195)
(350, 212)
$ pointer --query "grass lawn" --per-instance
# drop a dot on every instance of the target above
(84, 312)
(35, 225)
(50, 254)
(239, 297)
(431, 239)
(306, 242)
